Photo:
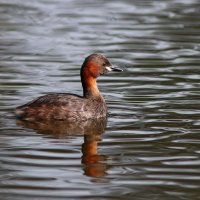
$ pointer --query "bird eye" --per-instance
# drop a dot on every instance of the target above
(104, 64)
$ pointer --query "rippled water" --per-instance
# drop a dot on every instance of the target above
(150, 147)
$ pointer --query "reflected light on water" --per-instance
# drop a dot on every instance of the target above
(150, 145)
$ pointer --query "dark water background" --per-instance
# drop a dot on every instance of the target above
(150, 148)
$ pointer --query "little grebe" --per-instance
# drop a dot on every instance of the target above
(72, 107)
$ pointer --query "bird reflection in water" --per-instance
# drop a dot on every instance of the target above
(92, 131)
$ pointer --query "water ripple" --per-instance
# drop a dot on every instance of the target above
(152, 134)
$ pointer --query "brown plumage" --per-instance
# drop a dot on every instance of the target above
(71, 107)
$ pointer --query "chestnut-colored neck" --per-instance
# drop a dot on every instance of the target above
(89, 84)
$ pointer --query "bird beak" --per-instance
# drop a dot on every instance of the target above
(113, 68)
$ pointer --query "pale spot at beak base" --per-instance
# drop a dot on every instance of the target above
(109, 69)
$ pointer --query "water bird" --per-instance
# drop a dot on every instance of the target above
(72, 107)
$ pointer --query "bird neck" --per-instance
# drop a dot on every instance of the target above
(89, 84)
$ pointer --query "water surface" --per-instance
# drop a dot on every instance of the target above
(150, 147)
